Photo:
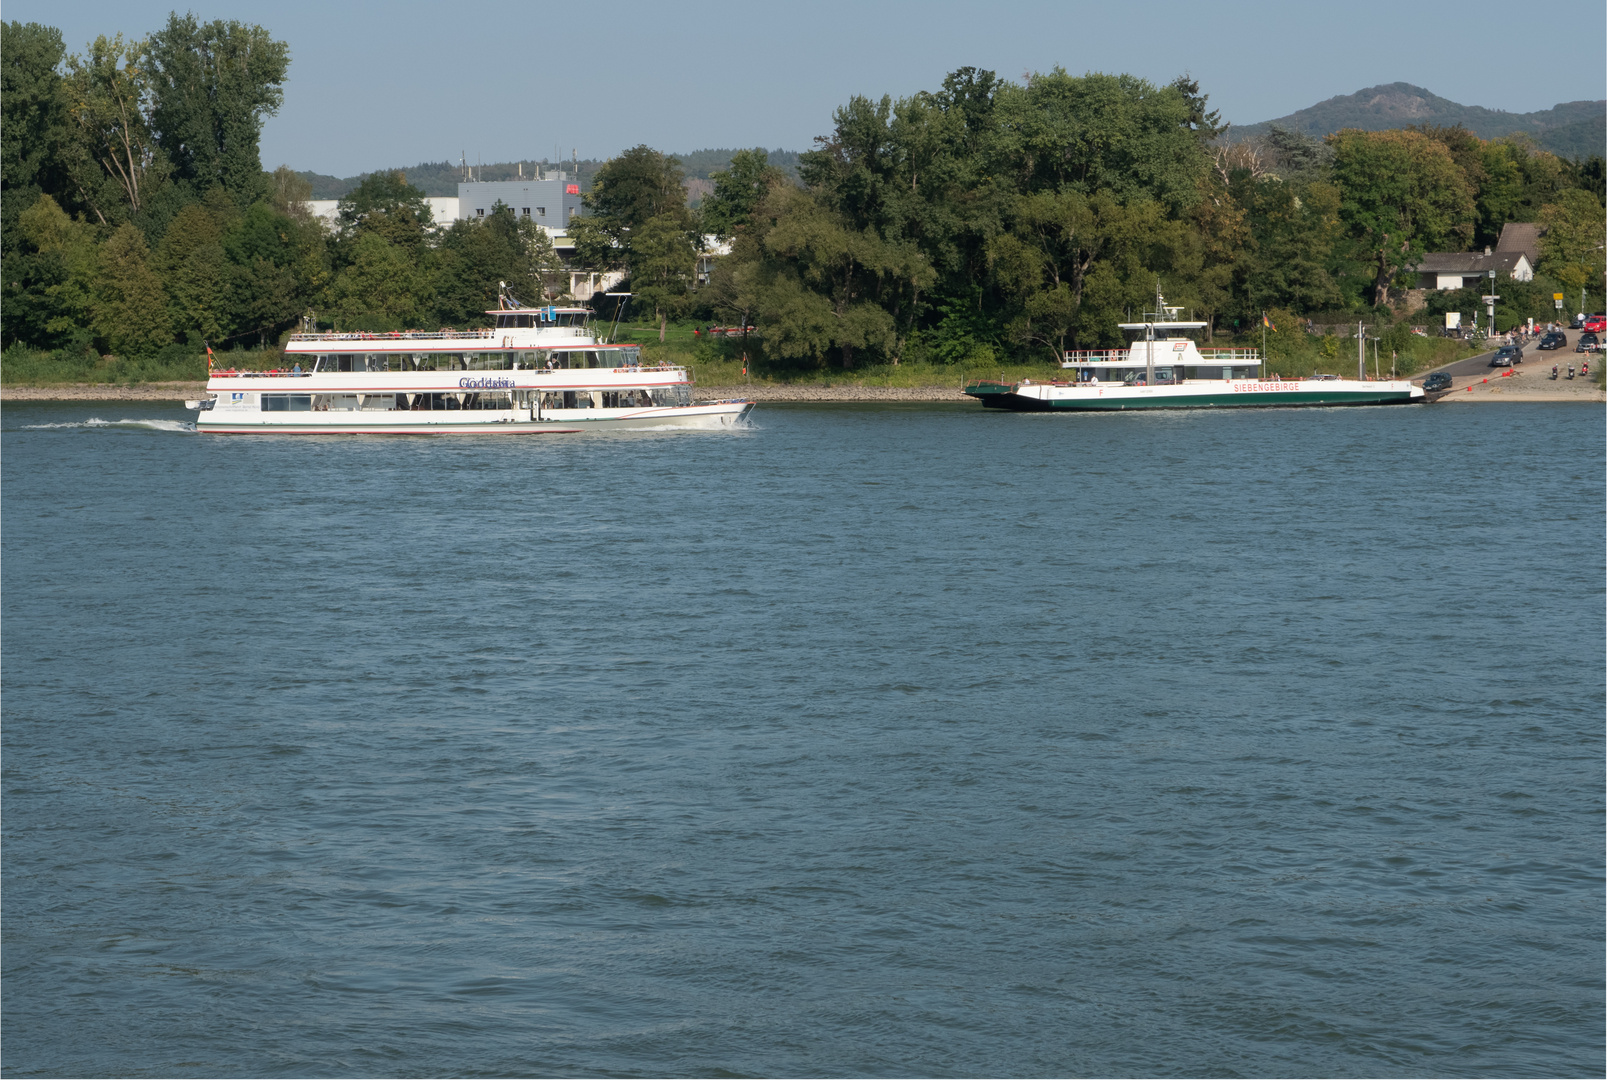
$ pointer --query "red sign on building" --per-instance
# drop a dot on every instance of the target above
(572, 189)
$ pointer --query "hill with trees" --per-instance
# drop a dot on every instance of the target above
(1575, 129)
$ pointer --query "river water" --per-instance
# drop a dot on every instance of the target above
(896, 741)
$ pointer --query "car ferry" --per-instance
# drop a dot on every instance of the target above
(536, 371)
(1164, 369)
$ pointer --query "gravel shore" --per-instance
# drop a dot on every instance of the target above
(1523, 385)
(162, 391)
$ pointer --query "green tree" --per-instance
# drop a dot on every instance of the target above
(385, 203)
(131, 310)
(33, 121)
(212, 85)
(381, 288)
(737, 191)
(1571, 247)
(477, 256)
(289, 193)
(627, 192)
(1114, 133)
(57, 310)
(278, 267)
(114, 156)
(822, 288)
(1402, 194)
(664, 261)
(195, 271)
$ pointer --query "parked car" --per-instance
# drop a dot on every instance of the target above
(1596, 324)
(1554, 340)
(1588, 343)
(1577, 323)
(1439, 380)
(1507, 355)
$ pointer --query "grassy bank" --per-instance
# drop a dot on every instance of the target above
(20, 366)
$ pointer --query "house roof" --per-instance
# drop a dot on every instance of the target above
(1522, 236)
(1470, 262)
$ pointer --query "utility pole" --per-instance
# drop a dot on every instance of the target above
(1361, 352)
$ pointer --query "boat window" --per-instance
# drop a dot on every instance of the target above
(489, 361)
(441, 362)
(334, 402)
(523, 322)
(379, 402)
(497, 400)
(287, 403)
(433, 402)
(670, 395)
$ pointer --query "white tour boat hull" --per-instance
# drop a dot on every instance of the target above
(707, 416)
(538, 371)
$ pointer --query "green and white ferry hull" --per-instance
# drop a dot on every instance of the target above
(1165, 369)
(1191, 394)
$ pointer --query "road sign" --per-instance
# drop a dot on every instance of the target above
(1557, 296)
(1489, 299)
(1558, 302)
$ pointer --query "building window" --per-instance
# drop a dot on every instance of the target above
(479, 213)
(541, 211)
(527, 211)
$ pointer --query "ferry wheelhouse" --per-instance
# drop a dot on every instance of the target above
(1164, 369)
(537, 370)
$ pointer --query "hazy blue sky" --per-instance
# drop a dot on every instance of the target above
(384, 84)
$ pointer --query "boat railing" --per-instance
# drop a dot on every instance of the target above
(285, 373)
(1089, 356)
(1230, 355)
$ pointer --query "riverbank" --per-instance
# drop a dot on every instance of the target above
(1524, 385)
(154, 391)
(177, 391)
(1495, 388)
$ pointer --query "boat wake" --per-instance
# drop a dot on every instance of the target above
(180, 426)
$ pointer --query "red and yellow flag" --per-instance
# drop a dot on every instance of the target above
(1266, 321)
(208, 357)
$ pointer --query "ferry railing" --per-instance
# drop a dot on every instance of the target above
(445, 334)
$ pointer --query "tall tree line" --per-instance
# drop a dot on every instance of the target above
(991, 219)
(136, 217)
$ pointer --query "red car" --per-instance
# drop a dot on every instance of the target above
(1596, 323)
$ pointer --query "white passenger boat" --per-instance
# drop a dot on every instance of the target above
(1165, 369)
(537, 371)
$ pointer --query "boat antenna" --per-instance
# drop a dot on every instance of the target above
(625, 298)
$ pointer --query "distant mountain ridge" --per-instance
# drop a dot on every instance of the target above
(442, 177)
(1571, 129)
